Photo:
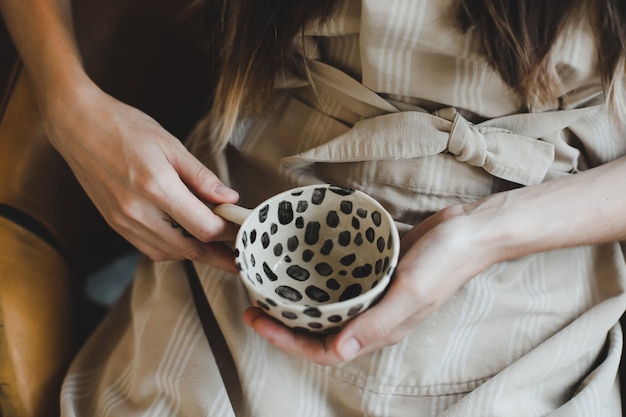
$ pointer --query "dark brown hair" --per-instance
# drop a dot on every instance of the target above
(255, 42)
(517, 37)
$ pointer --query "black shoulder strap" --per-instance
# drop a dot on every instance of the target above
(217, 342)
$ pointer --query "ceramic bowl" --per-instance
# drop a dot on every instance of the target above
(316, 256)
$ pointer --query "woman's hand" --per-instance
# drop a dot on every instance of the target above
(148, 187)
(437, 257)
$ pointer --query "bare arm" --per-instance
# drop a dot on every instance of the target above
(148, 187)
(587, 208)
(43, 32)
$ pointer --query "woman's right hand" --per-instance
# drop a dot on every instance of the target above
(145, 183)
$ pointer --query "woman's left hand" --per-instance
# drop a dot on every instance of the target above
(437, 257)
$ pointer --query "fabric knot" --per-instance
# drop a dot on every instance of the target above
(467, 143)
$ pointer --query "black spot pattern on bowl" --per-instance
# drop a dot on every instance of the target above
(327, 247)
(298, 273)
(288, 293)
(335, 318)
(302, 206)
(292, 243)
(268, 272)
(289, 315)
(332, 248)
(332, 219)
(355, 310)
(376, 218)
(333, 284)
(312, 233)
(344, 238)
(380, 244)
(338, 189)
(312, 312)
(285, 212)
(348, 259)
(265, 240)
(362, 271)
(263, 212)
(324, 269)
(318, 196)
(317, 294)
(351, 291)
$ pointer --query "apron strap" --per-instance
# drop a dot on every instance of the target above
(507, 147)
(215, 337)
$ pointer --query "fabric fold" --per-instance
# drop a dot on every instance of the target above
(414, 134)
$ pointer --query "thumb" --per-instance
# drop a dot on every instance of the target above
(381, 325)
(202, 181)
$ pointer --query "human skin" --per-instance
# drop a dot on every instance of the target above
(582, 209)
(148, 187)
(137, 175)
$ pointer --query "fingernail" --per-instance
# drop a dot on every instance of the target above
(225, 191)
(349, 349)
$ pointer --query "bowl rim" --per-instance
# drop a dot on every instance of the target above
(370, 294)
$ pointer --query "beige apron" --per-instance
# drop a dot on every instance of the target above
(531, 337)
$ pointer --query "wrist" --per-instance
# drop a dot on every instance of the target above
(502, 228)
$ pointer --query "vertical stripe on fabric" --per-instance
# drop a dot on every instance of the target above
(313, 391)
(391, 361)
(255, 371)
(81, 384)
(526, 327)
(409, 44)
(368, 399)
(116, 393)
(477, 306)
(187, 333)
(384, 48)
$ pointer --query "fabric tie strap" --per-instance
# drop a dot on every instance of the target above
(507, 147)
(413, 134)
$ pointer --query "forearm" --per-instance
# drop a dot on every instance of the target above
(586, 208)
(43, 33)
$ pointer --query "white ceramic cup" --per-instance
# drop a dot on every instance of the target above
(316, 256)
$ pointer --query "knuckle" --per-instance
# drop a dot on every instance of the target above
(204, 175)
(205, 235)
(127, 208)
(153, 186)
(376, 332)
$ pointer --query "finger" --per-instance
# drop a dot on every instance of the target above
(161, 238)
(184, 246)
(180, 191)
(315, 348)
(384, 324)
(202, 181)
(194, 216)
